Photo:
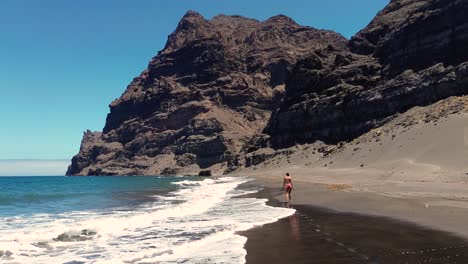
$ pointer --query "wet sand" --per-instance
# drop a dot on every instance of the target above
(408, 169)
(319, 235)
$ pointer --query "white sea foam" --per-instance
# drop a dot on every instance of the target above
(199, 228)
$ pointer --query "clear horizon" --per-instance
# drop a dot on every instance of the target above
(33, 167)
(63, 62)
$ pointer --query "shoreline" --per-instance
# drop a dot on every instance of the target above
(331, 234)
(408, 209)
(410, 170)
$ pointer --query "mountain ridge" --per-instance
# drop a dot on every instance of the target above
(226, 90)
(380, 76)
(201, 98)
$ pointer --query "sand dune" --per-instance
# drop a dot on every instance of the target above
(419, 159)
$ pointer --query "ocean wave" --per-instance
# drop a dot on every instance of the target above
(33, 197)
(197, 220)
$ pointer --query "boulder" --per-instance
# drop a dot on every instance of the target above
(205, 173)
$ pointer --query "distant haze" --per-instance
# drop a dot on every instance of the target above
(16, 167)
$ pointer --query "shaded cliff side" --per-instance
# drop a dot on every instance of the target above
(231, 92)
(412, 54)
(202, 97)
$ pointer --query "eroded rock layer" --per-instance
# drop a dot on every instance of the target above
(412, 54)
(202, 97)
(232, 92)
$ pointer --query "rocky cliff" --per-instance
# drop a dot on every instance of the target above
(225, 90)
(207, 93)
(412, 54)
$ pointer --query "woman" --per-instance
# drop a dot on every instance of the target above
(288, 186)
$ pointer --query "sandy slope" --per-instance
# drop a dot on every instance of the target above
(419, 158)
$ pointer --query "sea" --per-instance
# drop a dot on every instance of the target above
(77, 220)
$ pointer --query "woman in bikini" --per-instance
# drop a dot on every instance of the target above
(288, 186)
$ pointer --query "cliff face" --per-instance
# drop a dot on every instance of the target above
(411, 54)
(207, 93)
(223, 89)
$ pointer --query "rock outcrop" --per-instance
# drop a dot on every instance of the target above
(231, 91)
(411, 54)
(210, 90)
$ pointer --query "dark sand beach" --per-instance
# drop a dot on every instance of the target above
(321, 235)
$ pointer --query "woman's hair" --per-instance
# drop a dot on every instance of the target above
(287, 173)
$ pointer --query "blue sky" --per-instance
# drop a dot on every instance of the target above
(63, 62)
